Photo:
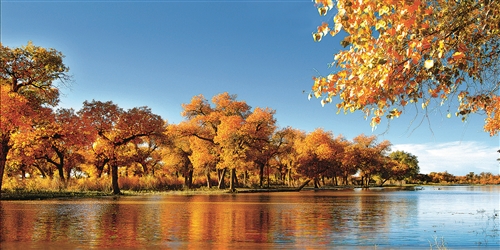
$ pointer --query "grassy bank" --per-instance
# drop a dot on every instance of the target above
(43, 195)
(38, 188)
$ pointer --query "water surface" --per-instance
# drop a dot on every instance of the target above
(458, 217)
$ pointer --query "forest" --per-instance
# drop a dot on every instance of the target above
(222, 143)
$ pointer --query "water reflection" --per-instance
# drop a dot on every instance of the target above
(289, 220)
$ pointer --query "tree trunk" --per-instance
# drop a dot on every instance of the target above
(316, 182)
(68, 174)
(99, 172)
(232, 180)
(220, 178)
(384, 181)
(4, 150)
(114, 179)
(261, 175)
(41, 170)
(60, 164)
(208, 178)
(268, 179)
(303, 185)
(245, 177)
(236, 182)
(289, 174)
(188, 179)
(61, 173)
(144, 168)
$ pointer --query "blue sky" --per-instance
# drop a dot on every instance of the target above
(162, 53)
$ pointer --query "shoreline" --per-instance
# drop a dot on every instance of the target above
(49, 195)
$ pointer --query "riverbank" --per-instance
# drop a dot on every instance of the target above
(48, 194)
(45, 195)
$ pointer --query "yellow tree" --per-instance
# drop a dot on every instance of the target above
(178, 151)
(231, 138)
(204, 157)
(209, 119)
(319, 153)
(286, 157)
(28, 77)
(401, 52)
(258, 130)
(350, 161)
(369, 156)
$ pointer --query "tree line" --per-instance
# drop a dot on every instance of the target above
(221, 142)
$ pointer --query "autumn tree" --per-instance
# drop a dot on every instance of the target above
(28, 77)
(178, 151)
(59, 141)
(370, 156)
(285, 158)
(227, 133)
(116, 128)
(233, 153)
(209, 119)
(413, 52)
(144, 154)
(21, 158)
(203, 122)
(319, 153)
(350, 161)
(257, 132)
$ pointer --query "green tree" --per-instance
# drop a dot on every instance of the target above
(399, 165)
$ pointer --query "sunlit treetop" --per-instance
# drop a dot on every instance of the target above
(425, 53)
(33, 71)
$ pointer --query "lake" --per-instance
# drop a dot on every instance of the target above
(452, 216)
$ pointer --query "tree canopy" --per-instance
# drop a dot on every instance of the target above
(28, 77)
(103, 141)
(401, 52)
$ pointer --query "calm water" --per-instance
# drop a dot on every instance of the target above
(459, 217)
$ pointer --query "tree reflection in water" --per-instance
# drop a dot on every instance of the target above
(271, 220)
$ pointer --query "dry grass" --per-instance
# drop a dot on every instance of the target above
(103, 184)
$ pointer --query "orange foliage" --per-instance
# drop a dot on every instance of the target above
(401, 52)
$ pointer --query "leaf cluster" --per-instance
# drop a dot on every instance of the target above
(403, 52)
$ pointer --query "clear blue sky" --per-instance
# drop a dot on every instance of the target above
(162, 53)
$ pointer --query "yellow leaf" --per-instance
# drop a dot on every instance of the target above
(429, 64)
(322, 11)
(383, 10)
(380, 24)
(424, 104)
(338, 26)
(317, 37)
(458, 55)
